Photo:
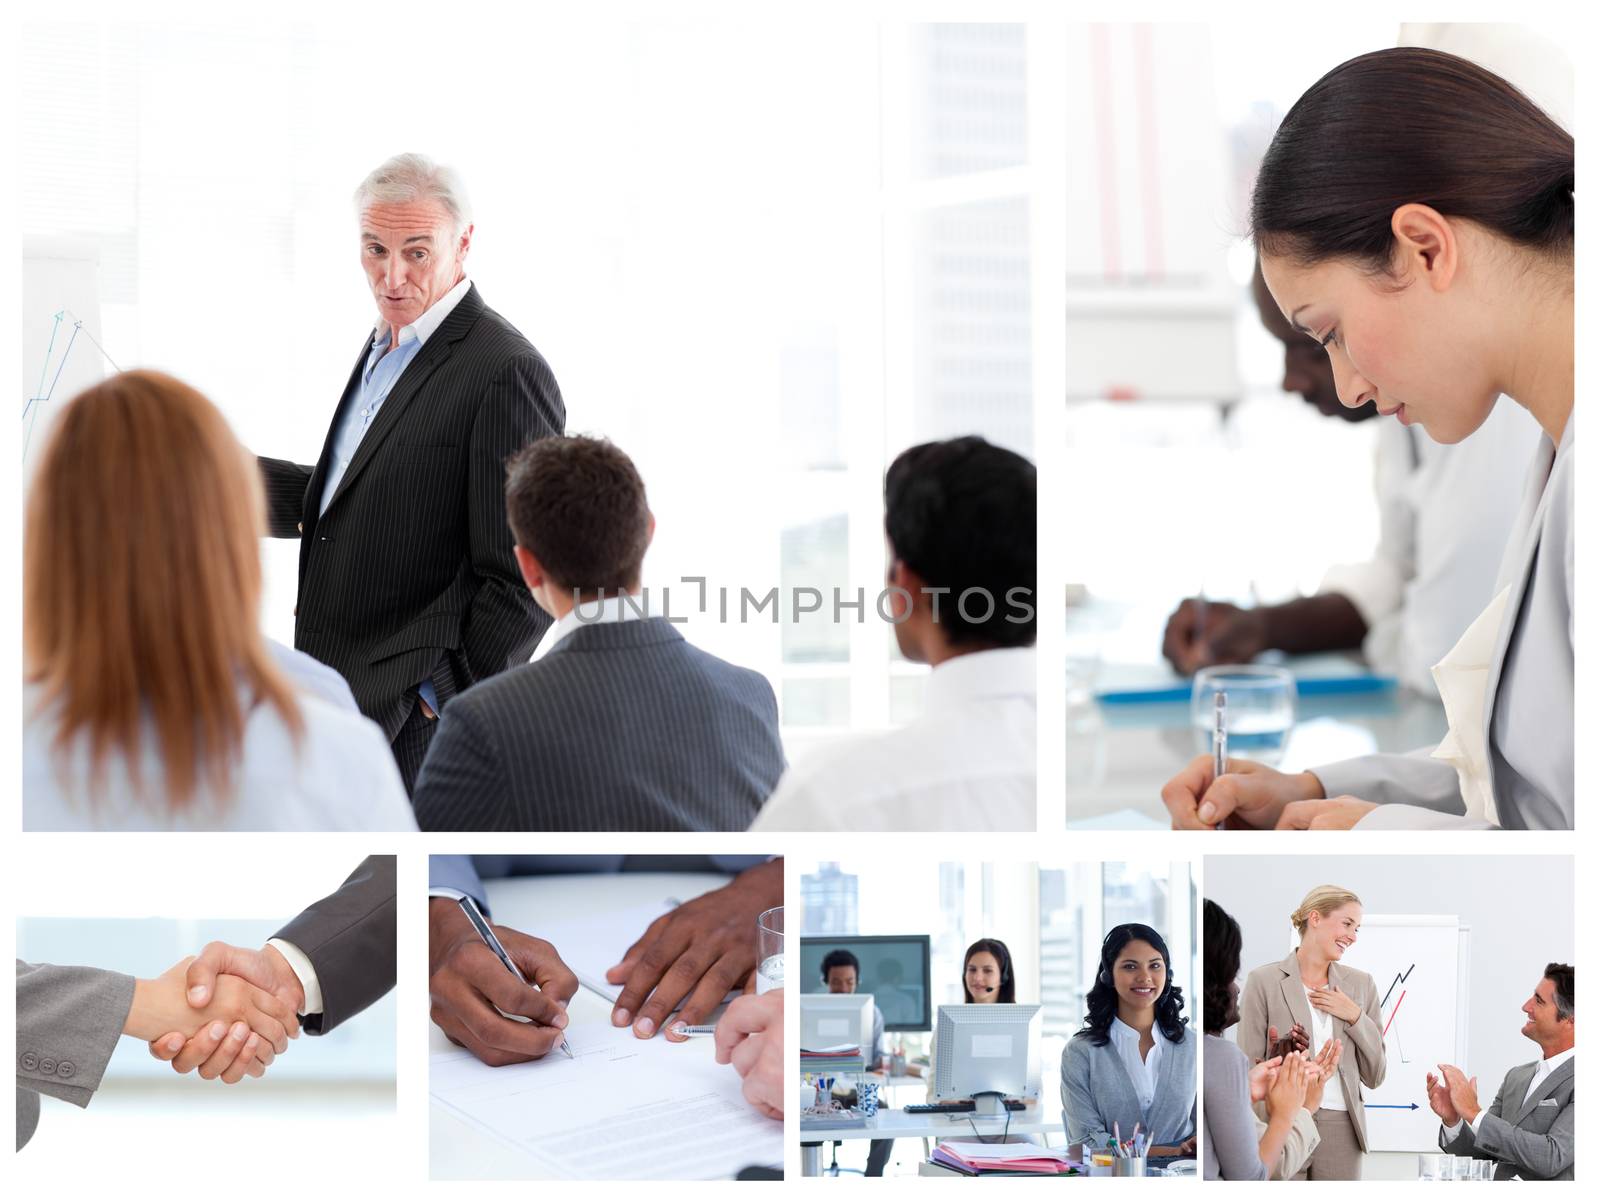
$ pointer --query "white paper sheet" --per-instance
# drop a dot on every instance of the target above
(621, 1108)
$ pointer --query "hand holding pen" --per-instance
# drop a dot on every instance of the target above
(486, 932)
(481, 1005)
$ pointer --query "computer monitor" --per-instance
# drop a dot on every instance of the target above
(836, 1021)
(987, 1052)
(894, 969)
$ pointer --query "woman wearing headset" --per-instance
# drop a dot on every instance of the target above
(1414, 215)
(1132, 1065)
(1319, 999)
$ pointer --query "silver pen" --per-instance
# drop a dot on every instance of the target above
(1219, 735)
(689, 1031)
(486, 932)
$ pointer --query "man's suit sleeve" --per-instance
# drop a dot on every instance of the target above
(521, 405)
(68, 1023)
(350, 939)
(1465, 1143)
(285, 484)
(457, 871)
(462, 785)
(1545, 1155)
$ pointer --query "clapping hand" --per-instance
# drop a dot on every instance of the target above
(1288, 1090)
(1439, 1099)
(1463, 1092)
(219, 1050)
(1322, 1068)
(1295, 1040)
(1262, 1076)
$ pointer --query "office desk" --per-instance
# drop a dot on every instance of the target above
(459, 1150)
(1138, 747)
(896, 1123)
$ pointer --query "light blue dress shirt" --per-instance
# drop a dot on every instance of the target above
(381, 372)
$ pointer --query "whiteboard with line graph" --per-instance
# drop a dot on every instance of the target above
(1421, 964)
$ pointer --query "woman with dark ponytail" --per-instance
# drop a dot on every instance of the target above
(1414, 216)
(1133, 1062)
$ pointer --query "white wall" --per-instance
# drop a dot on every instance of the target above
(1520, 908)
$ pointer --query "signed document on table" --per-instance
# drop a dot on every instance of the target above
(620, 1108)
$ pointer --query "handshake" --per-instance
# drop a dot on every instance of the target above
(229, 1012)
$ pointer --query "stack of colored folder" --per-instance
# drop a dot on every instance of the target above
(988, 1158)
(833, 1060)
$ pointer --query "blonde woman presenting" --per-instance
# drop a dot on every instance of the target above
(1313, 990)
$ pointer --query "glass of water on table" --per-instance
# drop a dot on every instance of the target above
(769, 950)
(1260, 710)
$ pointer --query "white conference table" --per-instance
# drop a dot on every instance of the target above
(460, 1150)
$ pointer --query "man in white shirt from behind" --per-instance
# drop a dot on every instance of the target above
(960, 519)
(1528, 1132)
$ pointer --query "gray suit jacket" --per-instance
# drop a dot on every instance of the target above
(349, 937)
(1528, 720)
(68, 1023)
(1096, 1093)
(622, 726)
(1274, 995)
(1526, 1135)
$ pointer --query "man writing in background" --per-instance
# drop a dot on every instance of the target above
(408, 587)
(1529, 1129)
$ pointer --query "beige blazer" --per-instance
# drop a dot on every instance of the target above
(1273, 995)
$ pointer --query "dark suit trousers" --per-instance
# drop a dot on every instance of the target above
(411, 744)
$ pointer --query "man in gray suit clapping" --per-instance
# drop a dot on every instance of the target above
(1528, 1130)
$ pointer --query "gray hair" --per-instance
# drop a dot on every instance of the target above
(408, 177)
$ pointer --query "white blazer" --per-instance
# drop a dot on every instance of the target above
(1528, 712)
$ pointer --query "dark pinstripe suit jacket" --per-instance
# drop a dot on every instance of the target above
(409, 574)
(621, 726)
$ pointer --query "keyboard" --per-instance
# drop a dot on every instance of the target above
(959, 1106)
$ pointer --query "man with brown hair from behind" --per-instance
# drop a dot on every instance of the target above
(619, 723)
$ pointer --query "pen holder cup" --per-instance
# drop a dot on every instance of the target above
(867, 1099)
(1129, 1168)
(1099, 1166)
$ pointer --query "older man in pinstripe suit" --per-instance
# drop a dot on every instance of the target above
(407, 582)
(619, 723)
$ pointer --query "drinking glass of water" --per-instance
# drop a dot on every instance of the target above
(1260, 710)
(769, 950)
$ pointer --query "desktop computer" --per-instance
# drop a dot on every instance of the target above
(989, 1052)
(827, 1021)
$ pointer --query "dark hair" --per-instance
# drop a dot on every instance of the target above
(1565, 979)
(1102, 1002)
(840, 958)
(578, 505)
(963, 515)
(1224, 944)
(1402, 126)
(1008, 978)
